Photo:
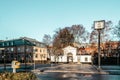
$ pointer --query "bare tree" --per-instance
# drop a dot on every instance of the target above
(79, 33)
(63, 38)
(116, 30)
(47, 39)
(117, 33)
(105, 33)
(93, 37)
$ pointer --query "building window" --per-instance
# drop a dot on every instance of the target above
(36, 55)
(3, 44)
(86, 59)
(44, 56)
(7, 43)
(40, 50)
(36, 50)
(12, 43)
(18, 49)
(12, 49)
(27, 49)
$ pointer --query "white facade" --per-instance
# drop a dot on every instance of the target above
(70, 55)
(85, 58)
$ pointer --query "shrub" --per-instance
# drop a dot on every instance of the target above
(17, 76)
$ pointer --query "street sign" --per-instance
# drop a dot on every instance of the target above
(98, 25)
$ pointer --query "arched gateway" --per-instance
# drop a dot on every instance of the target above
(69, 57)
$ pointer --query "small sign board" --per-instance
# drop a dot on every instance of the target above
(98, 25)
(15, 64)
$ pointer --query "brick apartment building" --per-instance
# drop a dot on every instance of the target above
(23, 49)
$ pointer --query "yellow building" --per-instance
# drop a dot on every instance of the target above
(40, 54)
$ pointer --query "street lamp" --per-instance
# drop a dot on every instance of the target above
(99, 25)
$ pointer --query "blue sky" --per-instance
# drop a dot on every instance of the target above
(34, 18)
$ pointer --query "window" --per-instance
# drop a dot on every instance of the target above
(12, 43)
(7, 43)
(44, 56)
(86, 59)
(36, 55)
(18, 49)
(27, 49)
(3, 44)
(12, 49)
(36, 50)
(40, 50)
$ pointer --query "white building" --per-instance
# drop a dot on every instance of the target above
(70, 55)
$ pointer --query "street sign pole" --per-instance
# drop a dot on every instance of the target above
(99, 25)
(99, 51)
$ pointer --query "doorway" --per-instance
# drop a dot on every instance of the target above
(69, 57)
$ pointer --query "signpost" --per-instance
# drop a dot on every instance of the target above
(99, 25)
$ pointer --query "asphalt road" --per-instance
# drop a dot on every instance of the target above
(73, 72)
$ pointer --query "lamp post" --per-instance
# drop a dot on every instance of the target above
(99, 25)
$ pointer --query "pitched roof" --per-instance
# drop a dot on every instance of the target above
(69, 47)
(15, 42)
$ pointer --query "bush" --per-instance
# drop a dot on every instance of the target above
(17, 76)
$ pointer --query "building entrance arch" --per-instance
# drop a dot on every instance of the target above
(69, 57)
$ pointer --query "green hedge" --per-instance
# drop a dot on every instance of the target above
(17, 76)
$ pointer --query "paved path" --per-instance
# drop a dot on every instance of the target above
(71, 68)
(72, 72)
